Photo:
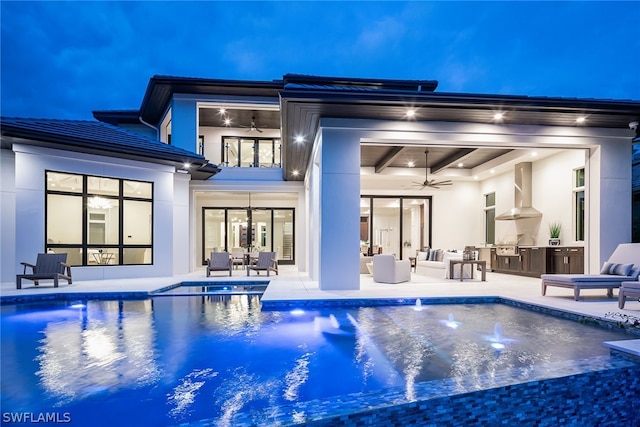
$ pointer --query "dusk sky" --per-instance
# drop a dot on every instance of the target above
(65, 59)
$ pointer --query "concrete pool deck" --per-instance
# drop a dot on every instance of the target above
(291, 285)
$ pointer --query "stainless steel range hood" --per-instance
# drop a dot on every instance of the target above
(522, 196)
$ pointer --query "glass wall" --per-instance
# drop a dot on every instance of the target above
(394, 225)
(99, 220)
(250, 152)
(227, 229)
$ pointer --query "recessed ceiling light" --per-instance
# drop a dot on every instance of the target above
(222, 110)
(492, 171)
(299, 139)
(534, 154)
(581, 119)
(411, 113)
(186, 165)
(475, 177)
(498, 116)
(295, 172)
(411, 164)
(460, 164)
(227, 121)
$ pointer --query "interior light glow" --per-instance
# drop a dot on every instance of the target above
(227, 121)
(186, 165)
(492, 171)
(411, 164)
(411, 113)
(99, 203)
(498, 116)
(534, 154)
(78, 305)
(460, 164)
(295, 172)
(476, 177)
(299, 139)
(297, 312)
(222, 110)
(581, 119)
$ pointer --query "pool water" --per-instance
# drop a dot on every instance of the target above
(177, 360)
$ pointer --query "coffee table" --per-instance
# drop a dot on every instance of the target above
(462, 263)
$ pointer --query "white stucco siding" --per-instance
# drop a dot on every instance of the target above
(30, 165)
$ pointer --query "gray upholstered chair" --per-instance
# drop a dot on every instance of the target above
(47, 266)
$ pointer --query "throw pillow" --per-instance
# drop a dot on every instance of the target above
(616, 269)
(435, 255)
(422, 256)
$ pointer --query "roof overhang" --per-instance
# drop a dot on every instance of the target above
(161, 90)
(302, 108)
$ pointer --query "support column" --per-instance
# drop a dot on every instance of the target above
(339, 211)
(184, 124)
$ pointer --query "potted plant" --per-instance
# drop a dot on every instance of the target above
(554, 233)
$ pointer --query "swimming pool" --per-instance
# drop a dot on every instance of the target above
(221, 360)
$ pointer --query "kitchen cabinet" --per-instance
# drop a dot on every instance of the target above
(534, 261)
(566, 260)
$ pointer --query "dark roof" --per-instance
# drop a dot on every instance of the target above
(357, 84)
(116, 117)
(162, 88)
(99, 138)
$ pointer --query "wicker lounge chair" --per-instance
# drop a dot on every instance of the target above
(266, 262)
(623, 265)
(219, 261)
(48, 266)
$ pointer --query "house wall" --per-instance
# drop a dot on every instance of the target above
(30, 165)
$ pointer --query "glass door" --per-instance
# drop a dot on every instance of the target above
(283, 234)
(386, 226)
(261, 226)
(213, 231)
(238, 233)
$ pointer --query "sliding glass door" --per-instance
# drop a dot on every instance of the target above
(259, 229)
(394, 225)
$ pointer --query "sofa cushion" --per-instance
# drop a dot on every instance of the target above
(422, 256)
(435, 255)
(617, 269)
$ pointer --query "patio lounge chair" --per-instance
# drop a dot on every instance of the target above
(622, 266)
(219, 261)
(386, 269)
(628, 289)
(266, 262)
(48, 266)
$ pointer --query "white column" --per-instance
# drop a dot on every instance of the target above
(339, 211)
(8, 261)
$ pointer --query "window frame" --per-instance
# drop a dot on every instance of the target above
(237, 162)
(486, 209)
(578, 223)
(84, 246)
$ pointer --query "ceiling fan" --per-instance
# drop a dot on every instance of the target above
(432, 183)
(253, 127)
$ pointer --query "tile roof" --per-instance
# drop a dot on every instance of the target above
(95, 135)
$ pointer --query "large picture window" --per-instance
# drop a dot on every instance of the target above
(490, 218)
(99, 220)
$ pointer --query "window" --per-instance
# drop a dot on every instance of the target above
(578, 203)
(99, 220)
(490, 218)
(251, 152)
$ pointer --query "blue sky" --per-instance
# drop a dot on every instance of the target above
(65, 59)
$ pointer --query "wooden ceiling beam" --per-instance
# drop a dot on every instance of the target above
(388, 158)
(452, 159)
